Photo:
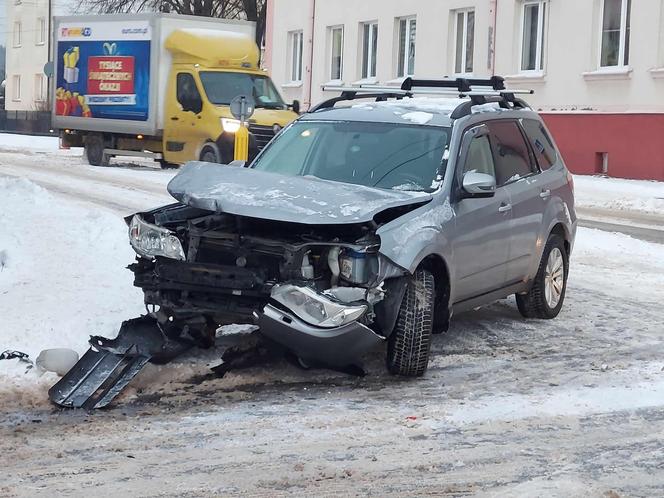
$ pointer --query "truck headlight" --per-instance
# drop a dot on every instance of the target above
(315, 308)
(230, 125)
(150, 240)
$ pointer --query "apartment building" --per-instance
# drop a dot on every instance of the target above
(27, 41)
(597, 66)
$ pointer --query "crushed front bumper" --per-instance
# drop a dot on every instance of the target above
(335, 347)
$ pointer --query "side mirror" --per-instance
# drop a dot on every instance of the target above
(237, 163)
(295, 106)
(193, 105)
(479, 184)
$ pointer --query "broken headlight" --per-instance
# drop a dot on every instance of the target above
(315, 308)
(150, 240)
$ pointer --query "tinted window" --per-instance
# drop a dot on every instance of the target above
(479, 157)
(545, 152)
(187, 93)
(512, 156)
(383, 155)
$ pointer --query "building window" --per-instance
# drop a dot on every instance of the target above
(16, 94)
(17, 34)
(369, 49)
(41, 31)
(40, 88)
(407, 33)
(296, 44)
(465, 41)
(337, 42)
(532, 40)
(615, 33)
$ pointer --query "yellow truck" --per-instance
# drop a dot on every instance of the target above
(159, 86)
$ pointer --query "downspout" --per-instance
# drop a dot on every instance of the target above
(269, 36)
(310, 69)
(493, 20)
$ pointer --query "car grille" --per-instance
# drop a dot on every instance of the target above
(262, 133)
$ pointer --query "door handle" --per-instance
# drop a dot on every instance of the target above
(174, 118)
(504, 208)
(545, 194)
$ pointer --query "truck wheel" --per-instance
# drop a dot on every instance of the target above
(409, 345)
(210, 154)
(94, 150)
(546, 296)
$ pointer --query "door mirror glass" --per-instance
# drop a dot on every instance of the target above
(295, 106)
(479, 184)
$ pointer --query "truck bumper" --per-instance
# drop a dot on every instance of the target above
(335, 347)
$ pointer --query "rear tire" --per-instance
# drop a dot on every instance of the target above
(545, 297)
(94, 151)
(410, 343)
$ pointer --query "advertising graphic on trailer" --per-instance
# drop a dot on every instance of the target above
(103, 70)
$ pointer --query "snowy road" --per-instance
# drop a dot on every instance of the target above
(569, 407)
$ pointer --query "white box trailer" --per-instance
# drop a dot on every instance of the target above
(105, 41)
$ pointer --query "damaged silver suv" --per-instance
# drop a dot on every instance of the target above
(364, 224)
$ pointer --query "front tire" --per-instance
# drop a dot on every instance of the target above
(410, 343)
(546, 296)
(210, 154)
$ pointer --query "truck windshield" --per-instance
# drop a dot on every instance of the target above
(222, 87)
(384, 155)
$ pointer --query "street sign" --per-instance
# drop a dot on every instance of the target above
(242, 107)
(48, 69)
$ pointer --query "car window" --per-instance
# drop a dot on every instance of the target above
(479, 157)
(187, 93)
(511, 152)
(545, 151)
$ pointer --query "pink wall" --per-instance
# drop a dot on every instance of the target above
(634, 143)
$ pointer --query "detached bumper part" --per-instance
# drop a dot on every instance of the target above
(335, 347)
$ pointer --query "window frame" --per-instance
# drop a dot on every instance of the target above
(369, 60)
(41, 31)
(406, 48)
(331, 30)
(464, 41)
(296, 44)
(40, 88)
(16, 91)
(625, 7)
(541, 36)
(17, 38)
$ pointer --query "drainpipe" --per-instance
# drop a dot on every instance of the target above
(310, 69)
(269, 36)
(493, 18)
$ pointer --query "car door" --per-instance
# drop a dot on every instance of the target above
(482, 233)
(181, 134)
(518, 174)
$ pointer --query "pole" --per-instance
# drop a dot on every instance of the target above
(242, 135)
(49, 47)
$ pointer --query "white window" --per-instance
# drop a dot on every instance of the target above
(407, 35)
(296, 44)
(17, 33)
(337, 43)
(532, 38)
(40, 88)
(16, 94)
(614, 50)
(465, 41)
(41, 31)
(369, 49)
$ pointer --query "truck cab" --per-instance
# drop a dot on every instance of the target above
(208, 70)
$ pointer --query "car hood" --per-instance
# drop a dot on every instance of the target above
(271, 196)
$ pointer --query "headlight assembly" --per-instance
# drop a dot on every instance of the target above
(230, 125)
(315, 308)
(150, 240)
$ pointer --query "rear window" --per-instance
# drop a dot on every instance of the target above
(545, 152)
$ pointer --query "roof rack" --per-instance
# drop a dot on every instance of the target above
(491, 90)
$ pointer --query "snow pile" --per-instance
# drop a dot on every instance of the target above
(10, 141)
(618, 194)
(62, 278)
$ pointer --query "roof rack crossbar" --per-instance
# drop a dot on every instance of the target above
(461, 84)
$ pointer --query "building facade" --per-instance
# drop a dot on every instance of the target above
(28, 43)
(597, 66)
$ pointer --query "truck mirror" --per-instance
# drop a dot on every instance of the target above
(296, 106)
(193, 104)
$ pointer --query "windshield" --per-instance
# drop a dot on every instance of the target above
(222, 87)
(383, 155)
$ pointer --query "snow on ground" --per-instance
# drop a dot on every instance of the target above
(619, 194)
(12, 141)
(62, 277)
